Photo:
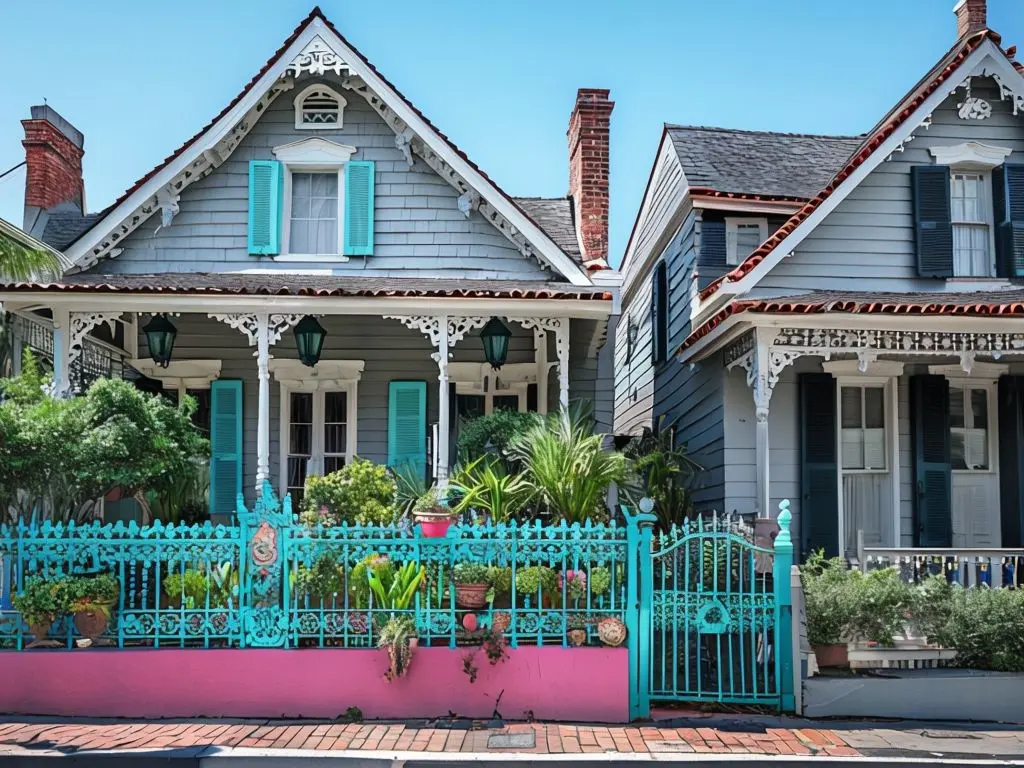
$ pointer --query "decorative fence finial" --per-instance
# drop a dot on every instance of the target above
(784, 538)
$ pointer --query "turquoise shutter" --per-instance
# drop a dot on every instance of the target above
(933, 226)
(266, 182)
(407, 425)
(1008, 183)
(225, 445)
(819, 470)
(933, 478)
(359, 179)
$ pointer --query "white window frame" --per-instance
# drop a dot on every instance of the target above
(862, 384)
(313, 155)
(327, 376)
(984, 376)
(732, 226)
(988, 216)
(972, 157)
(300, 100)
(481, 380)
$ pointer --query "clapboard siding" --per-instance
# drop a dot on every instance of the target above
(659, 206)
(389, 350)
(634, 373)
(419, 230)
(869, 237)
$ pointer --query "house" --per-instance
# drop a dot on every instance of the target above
(316, 267)
(836, 320)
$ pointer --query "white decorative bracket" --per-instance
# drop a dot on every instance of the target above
(430, 326)
(167, 198)
(403, 142)
(249, 325)
(83, 322)
(468, 202)
(317, 59)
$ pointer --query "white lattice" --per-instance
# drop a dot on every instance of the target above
(246, 323)
(428, 325)
(458, 327)
(278, 324)
(317, 59)
(83, 322)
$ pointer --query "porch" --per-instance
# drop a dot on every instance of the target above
(895, 445)
(392, 383)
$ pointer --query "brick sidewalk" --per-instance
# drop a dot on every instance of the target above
(68, 736)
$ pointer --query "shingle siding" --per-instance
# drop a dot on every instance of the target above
(420, 231)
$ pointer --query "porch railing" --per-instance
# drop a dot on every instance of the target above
(254, 583)
(970, 567)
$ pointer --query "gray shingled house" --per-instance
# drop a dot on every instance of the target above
(836, 320)
(320, 200)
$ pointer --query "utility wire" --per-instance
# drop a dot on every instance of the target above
(12, 170)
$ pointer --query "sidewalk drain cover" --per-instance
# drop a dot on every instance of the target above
(511, 741)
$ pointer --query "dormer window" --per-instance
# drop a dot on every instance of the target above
(742, 236)
(318, 107)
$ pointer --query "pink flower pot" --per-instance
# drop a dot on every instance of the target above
(435, 528)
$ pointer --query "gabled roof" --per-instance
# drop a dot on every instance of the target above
(894, 121)
(555, 216)
(763, 163)
(188, 161)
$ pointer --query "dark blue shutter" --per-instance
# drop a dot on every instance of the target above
(933, 227)
(1008, 198)
(929, 402)
(712, 253)
(1011, 459)
(659, 313)
(819, 470)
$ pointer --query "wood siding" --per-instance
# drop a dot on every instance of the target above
(420, 231)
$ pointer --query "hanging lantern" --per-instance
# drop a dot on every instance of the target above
(160, 334)
(309, 340)
(495, 336)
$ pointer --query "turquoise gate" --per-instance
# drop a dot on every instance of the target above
(714, 616)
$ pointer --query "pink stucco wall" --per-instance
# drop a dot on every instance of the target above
(552, 683)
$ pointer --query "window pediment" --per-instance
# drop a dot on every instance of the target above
(970, 155)
(327, 374)
(314, 151)
(191, 374)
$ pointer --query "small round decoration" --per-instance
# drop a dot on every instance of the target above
(611, 631)
(470, 622)
(646, 505)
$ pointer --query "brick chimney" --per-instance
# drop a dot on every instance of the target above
(53, 161)
(588, 172)
(971, 17)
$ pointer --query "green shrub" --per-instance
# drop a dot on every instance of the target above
(500, 579)
(188, 589)
(494, 434)
(320, 580)
(985, 626)
(484, 485)
(600, 580)
(534, 577)
(360, 492)
(87, 592)
(42, 600)
(469, 573)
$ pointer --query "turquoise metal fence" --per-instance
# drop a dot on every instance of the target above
(717, 611)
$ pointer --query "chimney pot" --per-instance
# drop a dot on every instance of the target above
(588, 135)
(53, 162)
(971, 17)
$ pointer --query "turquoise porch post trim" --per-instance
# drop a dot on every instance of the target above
(784, 610)
(639, 592)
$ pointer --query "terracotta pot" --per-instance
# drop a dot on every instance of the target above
(91, 624)
(831, 655)
(577, 637)
(611, 631)
(471, 595)
(39, 630)
(500, 622)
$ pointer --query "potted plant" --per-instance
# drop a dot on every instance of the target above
(575, 585)
(600, 581)
(536, 581)
(471, 585)
(319, 581)
(393, 589)
(398, 637)
(577, 633)
(91, 600)
(500, 579)
(826, 586)
(432, 513)
(41, 603)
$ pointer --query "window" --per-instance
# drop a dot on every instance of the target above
(968, 427)
(659, 313)
(742, 236)
(862, 417)
(317, 436)
(971, 212)
(480, 391)
(313, 227)
(319, 107)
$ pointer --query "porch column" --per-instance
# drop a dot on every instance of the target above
(442, 402)
(762, 390)
(540, 347)
(61, 352)
(562, 348)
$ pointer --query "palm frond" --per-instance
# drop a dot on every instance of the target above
(20, 262)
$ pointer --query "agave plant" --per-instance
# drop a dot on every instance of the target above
(486, 486)
(567, 466)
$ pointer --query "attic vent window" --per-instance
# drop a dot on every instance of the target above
(319, 107)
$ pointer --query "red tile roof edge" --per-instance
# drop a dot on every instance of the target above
(317, 13)
(717, 193)
(460, 293)
(794, 306)
(866, 150)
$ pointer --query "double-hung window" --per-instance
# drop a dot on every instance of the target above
(315, 213)
(862, 414)
(971, 211)
(969, 408)
(742, 236)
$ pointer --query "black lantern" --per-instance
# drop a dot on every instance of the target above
(160, 333)
(495, 336)
(309, 340)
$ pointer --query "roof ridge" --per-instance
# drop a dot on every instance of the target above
(752, 132)
(540, 197)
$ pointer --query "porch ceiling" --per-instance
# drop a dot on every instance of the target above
(247, 284)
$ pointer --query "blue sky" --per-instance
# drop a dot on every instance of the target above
(498, 77)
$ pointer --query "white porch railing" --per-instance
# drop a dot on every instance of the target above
(968, 566)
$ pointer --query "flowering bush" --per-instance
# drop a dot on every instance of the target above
(360, 492)
(574, 583)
